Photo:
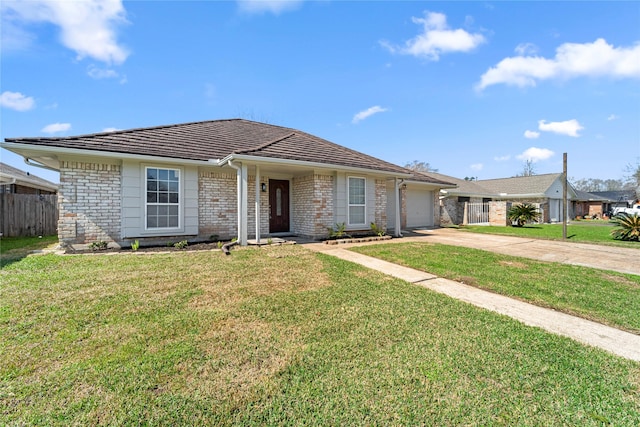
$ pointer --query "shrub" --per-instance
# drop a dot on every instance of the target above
(628, 227)
(181, 244)
(98, 246)
(338, 232)
(378, 231)
(135, 245)
(523, 213)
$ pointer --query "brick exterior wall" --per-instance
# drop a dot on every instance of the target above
(450, 211)
(381, 204)
(217, 205)
(89, 202)
(498, 212)
(312, 205)
(403, 207)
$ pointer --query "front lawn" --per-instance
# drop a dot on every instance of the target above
(597, 232)
(604, 296)
(280, 336)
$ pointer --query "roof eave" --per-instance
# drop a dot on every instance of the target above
(290, 162)
(28, 150)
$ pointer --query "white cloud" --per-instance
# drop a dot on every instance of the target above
(368, 112)
(568, 127)
(535, 154)
(101, 73)
(16, 101)
(87, 27)
(530, 134)
(56, 127)
(476, 166)
(110, 129)
(502, 158)
(612, 117)
(273, 6)
(526, 49)
(597, 59)
(437, 38)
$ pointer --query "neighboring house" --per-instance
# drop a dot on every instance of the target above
(591, 205)
(16, 181)
(222, 179)
(544, 190)
(622, 199)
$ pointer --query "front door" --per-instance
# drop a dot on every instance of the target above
(278, 206)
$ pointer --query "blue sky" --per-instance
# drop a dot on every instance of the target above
(472, 88)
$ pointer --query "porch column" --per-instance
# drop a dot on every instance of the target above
(258, 191)
(397, 231)
(244, 201)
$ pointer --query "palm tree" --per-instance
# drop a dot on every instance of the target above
(523, 213)
(628, 227)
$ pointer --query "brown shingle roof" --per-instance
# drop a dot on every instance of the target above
(218, 139)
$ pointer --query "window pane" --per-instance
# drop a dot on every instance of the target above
(356, 214)
(162, 222)
(356, 191)
(163, 198)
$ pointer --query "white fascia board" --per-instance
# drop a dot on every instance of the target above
(315, 165)
(34, 151)
(432, 185)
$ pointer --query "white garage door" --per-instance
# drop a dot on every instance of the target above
(419, 208)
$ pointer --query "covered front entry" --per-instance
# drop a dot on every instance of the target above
(278, 206)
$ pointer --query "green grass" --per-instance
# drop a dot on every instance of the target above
(604, 296)
(597, 232)
(25, 244)
(280, 336)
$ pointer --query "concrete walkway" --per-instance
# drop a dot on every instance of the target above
(618, 342)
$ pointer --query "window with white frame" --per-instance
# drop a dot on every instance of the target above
(357, 201)
(163, 198)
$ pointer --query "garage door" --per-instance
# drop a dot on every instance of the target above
(419, 208)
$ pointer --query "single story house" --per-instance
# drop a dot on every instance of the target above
(16, 181)
(591, 205)
(222, 179)
(543, 190)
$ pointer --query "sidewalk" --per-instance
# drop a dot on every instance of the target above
(615, 341)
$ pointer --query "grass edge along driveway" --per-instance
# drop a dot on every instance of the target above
(280, 335)
(606, 297)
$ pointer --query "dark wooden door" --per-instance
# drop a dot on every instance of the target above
(278, 206)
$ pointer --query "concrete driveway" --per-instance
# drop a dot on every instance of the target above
(623, 260)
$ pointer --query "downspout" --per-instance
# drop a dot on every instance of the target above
(397, 230)
(239, 182)
(257, 200)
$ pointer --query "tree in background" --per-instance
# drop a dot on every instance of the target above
(632, 177)
(594, 184)
(528, 168)
(417, 166)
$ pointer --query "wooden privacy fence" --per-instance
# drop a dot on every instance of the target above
(24, 215)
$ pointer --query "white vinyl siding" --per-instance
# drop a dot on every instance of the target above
(357, 201)
(162, 190)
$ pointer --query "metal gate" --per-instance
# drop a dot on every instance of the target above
(477, 213)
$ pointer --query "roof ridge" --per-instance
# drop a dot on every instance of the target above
(265, 145)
